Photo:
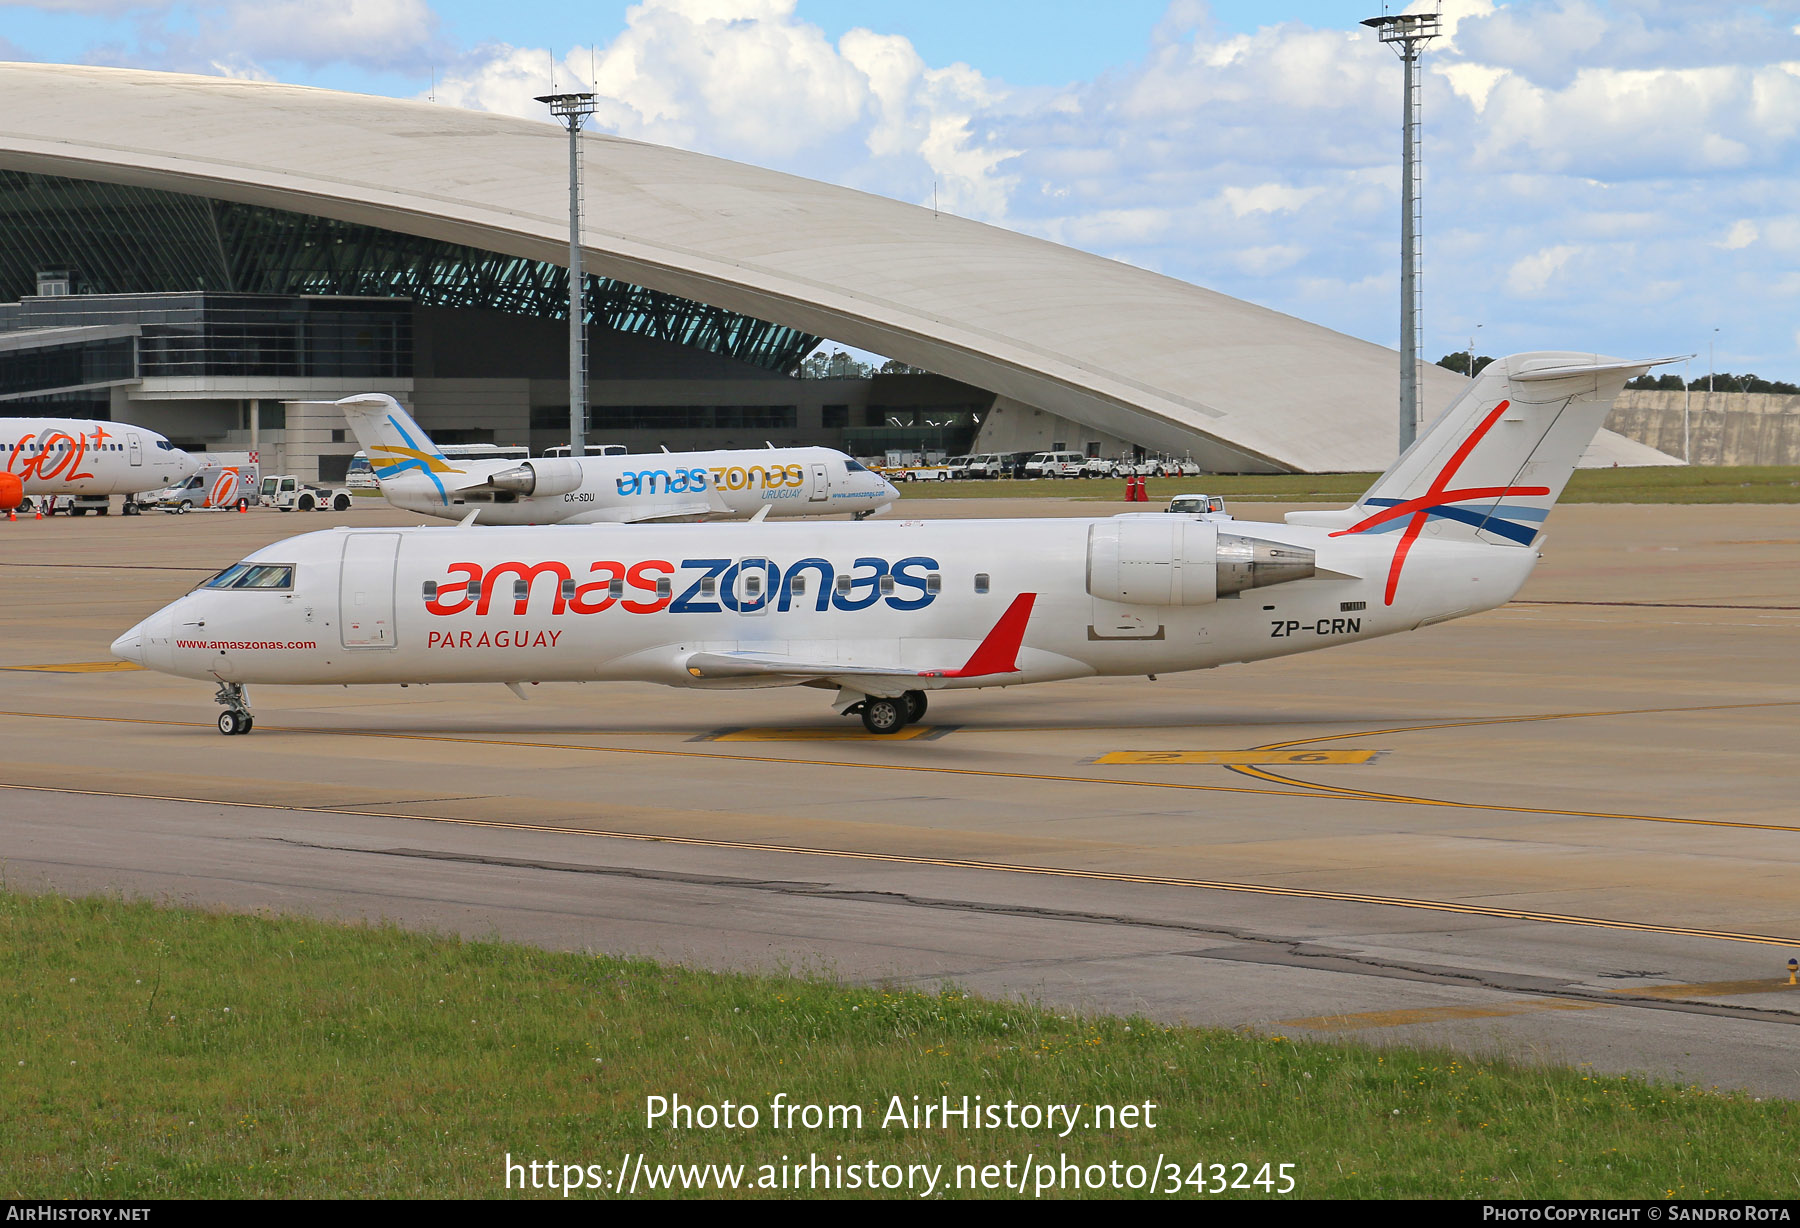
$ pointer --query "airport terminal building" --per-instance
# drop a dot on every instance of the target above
(197, 254)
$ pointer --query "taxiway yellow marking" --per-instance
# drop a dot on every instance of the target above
(1345, 793)
(1434, 1014)
(912, 733)
(74, 667)
(1350, 794)
(1295, 757)
(1302, 789)
(1707, 989)
(1526, 1006)
(957, 863)
(1526, 719)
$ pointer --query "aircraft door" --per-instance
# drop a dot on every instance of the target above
(821, 484)
(135, 445)
(366, 590)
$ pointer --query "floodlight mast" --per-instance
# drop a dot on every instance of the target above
(572, 110)
(1407, 34)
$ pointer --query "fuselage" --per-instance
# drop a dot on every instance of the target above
(75, 456)
(727, 484)
(584, 603)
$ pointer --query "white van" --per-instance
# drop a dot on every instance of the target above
(1055, 465)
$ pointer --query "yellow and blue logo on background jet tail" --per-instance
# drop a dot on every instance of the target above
(393, 442)
(391, 460)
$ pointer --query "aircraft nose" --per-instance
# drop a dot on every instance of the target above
(130, 646)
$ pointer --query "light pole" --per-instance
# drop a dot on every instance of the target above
(1709, 362)
(572, 110)
(1687, 400)
(1408, 33)
(1472, 352)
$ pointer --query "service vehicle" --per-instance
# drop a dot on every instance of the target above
(287, 493)
(1210, 506)
(1055, 465)
(225, 482)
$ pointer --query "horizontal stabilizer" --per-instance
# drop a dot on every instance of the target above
(1529, 374)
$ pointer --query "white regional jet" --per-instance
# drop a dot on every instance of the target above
(75, 456)
(664, 486)
(884, 613)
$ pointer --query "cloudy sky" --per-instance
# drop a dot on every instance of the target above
(1618, 175)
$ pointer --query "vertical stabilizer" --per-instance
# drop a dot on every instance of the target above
(1493, 464)
(398, 450)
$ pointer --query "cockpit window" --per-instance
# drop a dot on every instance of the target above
(254, 575)
(851, 466)
(164, 445)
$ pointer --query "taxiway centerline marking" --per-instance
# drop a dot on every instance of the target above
(957, 863)
(1300, 789)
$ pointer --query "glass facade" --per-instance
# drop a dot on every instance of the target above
(112, 239)
(75, 365)
(234, 334)
(675, 417)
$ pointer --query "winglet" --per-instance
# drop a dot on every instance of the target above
(999, 652)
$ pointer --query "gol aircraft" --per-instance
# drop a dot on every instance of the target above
(668, 486)
(884, 613)
(74, 456)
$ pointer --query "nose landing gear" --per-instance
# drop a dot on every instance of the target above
(236, 718)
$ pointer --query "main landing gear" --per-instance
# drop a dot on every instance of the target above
(890, 715)
(236, 718)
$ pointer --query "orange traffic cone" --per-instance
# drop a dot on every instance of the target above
(40, 510)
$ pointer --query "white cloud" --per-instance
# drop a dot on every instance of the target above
(749, 80)
(318, 31)
(1267, 198)
(1743, 233)
(243, 37)
(1532, 275)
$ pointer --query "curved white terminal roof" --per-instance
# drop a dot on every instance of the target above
(1131, 352)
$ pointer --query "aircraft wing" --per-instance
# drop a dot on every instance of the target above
(666, 512)
(998, 653)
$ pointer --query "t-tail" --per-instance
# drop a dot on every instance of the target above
(1492, 465)
(399, 451)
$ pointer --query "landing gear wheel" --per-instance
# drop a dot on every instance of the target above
(236, 718)
(884, 716)
(915, 706)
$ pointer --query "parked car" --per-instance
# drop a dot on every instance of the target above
(984, 465)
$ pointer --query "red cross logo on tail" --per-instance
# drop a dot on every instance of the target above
(1436, 500)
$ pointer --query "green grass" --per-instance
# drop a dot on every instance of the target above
(154, 1051)
(1675, 484)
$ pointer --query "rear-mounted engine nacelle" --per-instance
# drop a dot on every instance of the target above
(1184, 562)
(539, 477)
